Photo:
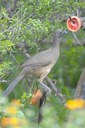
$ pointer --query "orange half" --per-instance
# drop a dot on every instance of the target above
(74, 23)
(36, 97)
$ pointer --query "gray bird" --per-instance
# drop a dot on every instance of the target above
(40, 64)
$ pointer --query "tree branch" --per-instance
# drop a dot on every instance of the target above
(24, 50)
(80, 86)
(56, 90)
(76, 39)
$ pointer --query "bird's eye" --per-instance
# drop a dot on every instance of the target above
(60, 32)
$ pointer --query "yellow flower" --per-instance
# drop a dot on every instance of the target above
(75, 104)
(11, 110)
(14, 121)
(16, 102)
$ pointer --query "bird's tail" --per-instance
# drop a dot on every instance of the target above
(13, 84)
(42, 101)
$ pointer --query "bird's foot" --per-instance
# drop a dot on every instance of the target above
(46, 88)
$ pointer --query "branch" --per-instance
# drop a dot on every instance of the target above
(19, 65)
(57, 92)
(78, 12)
(2, 81)
(80, 86)
(76, 39)
(11, 10)
(24, 50)
(81, 44)
(82, 19)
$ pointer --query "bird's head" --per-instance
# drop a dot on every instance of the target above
(59, 33)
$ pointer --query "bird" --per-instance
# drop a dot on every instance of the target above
(40, 64)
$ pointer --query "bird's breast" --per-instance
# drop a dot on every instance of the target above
(43, 70)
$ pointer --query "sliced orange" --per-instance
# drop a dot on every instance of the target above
(74, 23)
(36, 97)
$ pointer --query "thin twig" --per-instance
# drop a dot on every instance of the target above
(18, 66)
(78, 12)
(76, 39)
(14, 59)
(24, 50)
(18, 22)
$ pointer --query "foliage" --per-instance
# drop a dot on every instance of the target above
(30, 22)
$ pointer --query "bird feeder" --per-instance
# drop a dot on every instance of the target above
(74, 23)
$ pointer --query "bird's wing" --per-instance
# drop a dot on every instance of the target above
(41, 59)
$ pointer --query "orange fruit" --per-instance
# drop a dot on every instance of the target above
(74, 23)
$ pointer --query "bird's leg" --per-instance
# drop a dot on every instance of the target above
(40, 80)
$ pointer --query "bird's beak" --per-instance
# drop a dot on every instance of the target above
(63, 33)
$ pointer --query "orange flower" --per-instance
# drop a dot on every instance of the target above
(36, 97)
(9, 121)
(75, 104)
(4, 121)
(13, 122)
